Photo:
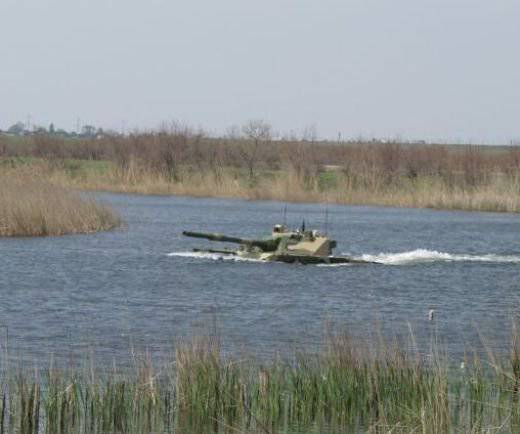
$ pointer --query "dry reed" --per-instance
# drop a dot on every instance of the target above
(30, 205)
(500, 194)
(184, 162)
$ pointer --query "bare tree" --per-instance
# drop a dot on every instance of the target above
(310, 134)
(232, 132)
(173, 152)
(258, 133)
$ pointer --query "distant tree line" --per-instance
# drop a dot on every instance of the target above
(21, 129)
(176, 150)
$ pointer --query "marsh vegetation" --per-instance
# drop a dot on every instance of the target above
(250, 164)
(346, 386)
(32, 205)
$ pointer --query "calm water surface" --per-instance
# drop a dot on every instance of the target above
(139, 287)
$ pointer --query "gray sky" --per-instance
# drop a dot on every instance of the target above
(433, 69)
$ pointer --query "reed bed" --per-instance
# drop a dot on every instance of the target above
(498, 194)
(253, 166)
(31, 205)
(347, 387)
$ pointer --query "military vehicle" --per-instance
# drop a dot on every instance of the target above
(284, 245)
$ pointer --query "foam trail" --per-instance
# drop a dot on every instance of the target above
(212, 256)
(405, 258)
(425, 256)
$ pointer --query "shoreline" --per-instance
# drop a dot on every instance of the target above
(497, 192)
(195, 191)
(123, 191)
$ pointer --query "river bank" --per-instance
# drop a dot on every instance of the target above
(500, 193)
(180, 161)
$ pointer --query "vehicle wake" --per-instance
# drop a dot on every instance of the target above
(426, 256)
(417, 256)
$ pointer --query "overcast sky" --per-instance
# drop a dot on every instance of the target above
(432, 69)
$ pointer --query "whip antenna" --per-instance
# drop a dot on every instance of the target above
(326, 219)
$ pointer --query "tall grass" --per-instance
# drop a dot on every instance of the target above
(31, 205)
(499, 193)
(349, 386)
(180, 161)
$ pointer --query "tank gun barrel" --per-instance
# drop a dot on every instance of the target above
(214, 237)
(265, 245)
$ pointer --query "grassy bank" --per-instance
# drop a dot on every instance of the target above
(183, 162)
(31, 205)
(347, 387)
(499, 193)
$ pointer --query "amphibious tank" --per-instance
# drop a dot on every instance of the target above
(291, 246)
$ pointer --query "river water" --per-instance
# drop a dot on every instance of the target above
(139, 288)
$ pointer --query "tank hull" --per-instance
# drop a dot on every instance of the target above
(303, 259)
(288, 259)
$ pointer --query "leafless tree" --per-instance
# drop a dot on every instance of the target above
(232, 132)
(173, 147)
(258, 134)
(310, 133)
